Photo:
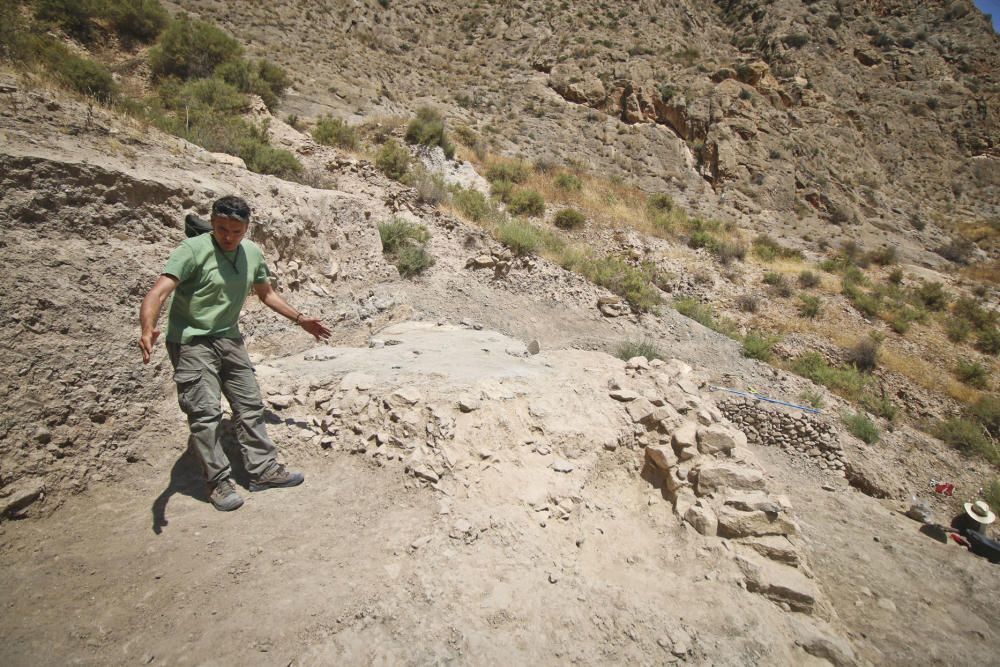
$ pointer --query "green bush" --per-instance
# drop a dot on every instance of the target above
(638, 348)
(473, 205)
(526, 202)
(847, 382)
(509, 172)
(703, 314)
(569, 218)
(879, 406)
(393, 159)
(991, 494)
(431, 188)
(932, 295)
(520, 236)
(142, 20)
(767, 249)
(202, 96)
(977, 315)
(412, 260)
(972, 373)
(809, 306)
(72, 16)
(796, 40)
(427, 128)
(809, 279)
(759, 346)
(84, 75)
(778, 283)
(405, 244)
(568, 182)
(334, 132)
(867, 303)
(968, 437)
(988, 341)
(502, 190)
(957, 329)
(730, 250)
(261, 78)
(398, 232)
(191, 49)
(861, 427)
(660, 203)
(632, 283)
(266, 159)
(986, 411)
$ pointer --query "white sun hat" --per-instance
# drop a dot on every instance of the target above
(980, 511)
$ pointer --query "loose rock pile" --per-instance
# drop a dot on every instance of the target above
(714, 482)
(543, 422)
(798, 432)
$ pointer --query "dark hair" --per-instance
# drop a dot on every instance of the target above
(232, 207)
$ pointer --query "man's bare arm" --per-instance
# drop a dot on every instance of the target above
(149, 313)
(270, 298)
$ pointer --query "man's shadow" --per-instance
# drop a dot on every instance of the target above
(187, 478)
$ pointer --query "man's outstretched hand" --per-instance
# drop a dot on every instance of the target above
(315, 327)
(148, 339)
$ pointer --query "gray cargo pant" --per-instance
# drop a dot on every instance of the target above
(204, 369)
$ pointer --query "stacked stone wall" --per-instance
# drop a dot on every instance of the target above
(801, 433)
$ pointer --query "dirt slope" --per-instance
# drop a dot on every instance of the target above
(418, 536)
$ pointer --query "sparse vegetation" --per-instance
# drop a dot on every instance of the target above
(767, 249)
(334, 132)
(704, 315)
(428, 128)
(526, 202)
(759, 346)
(861, 427)
(864, 354)
(473, 205)
(405, 244)
(191, 49)
(969, 437)
(847, 382)
(972, 373)
(569, 218)
(393, 159)
(508, 172)
(568, 182)
(809, 279)
(638, 348)
(809, 306)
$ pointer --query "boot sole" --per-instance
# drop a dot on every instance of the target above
(254, 486)
(228, 509)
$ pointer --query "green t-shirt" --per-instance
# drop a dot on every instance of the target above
(212, 287)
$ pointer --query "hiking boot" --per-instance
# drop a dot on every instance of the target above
(276, 477)
(223, 495)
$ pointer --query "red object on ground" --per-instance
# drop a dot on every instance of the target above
(946, 489)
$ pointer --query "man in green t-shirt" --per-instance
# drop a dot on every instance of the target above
(210, 277)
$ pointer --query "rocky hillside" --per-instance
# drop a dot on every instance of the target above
(818, 121)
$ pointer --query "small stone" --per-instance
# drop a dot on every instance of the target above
(887, 604)
(534, 347)
(624, 395)
(468, 403)
(562, 465)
